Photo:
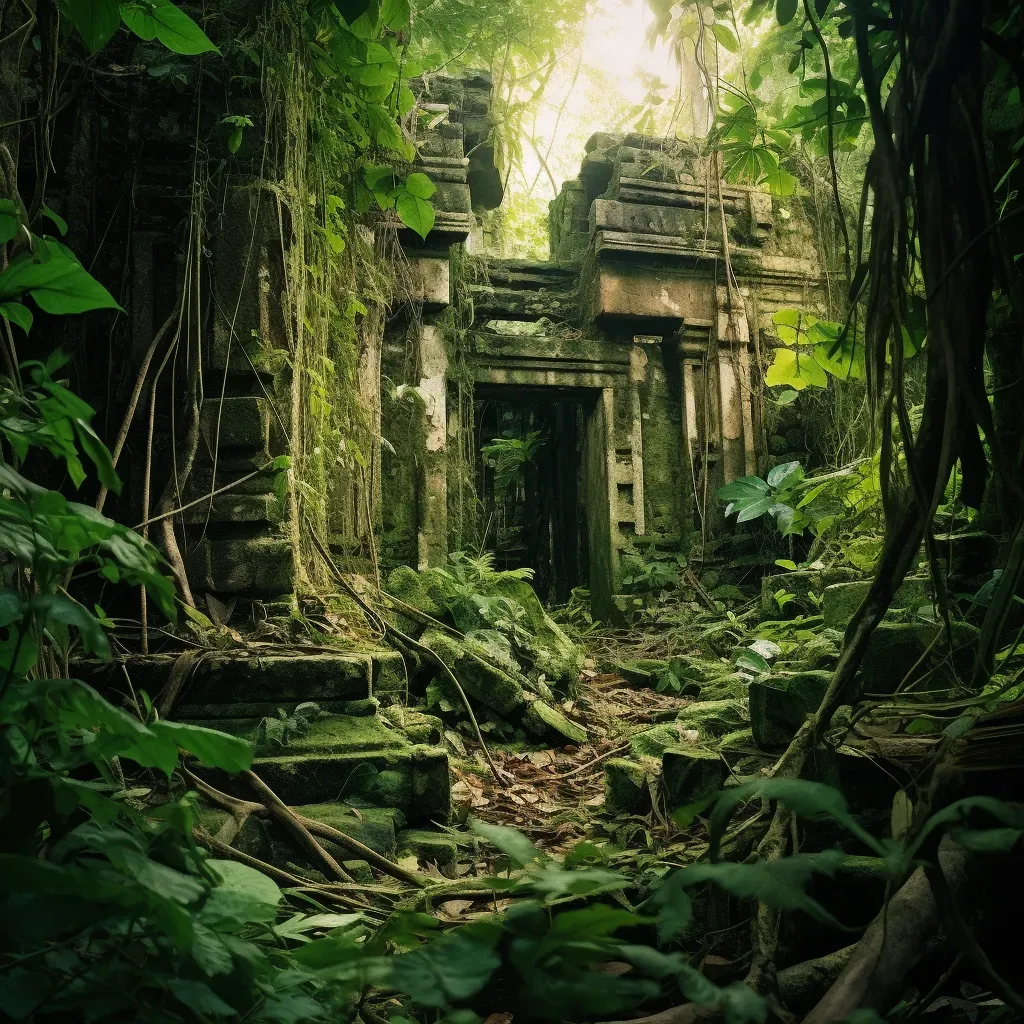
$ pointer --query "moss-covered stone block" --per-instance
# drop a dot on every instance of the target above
(627, 785)
(416, 726)
(408, 585)
(249, 566)
(780, 704)
(643, 672)
(414, 779)
(390, 677)
(712, 718)
(273, 679)
(493, 687)
(375, 827)
(551, 725)
(842, 600)
(801, 583)
(654, 742)
(433, 847)
(896, 652)
(741, 740)
(689, 774)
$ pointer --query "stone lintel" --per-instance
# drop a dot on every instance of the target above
(651, 293)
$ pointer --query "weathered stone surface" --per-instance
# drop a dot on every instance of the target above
(627, 785)
(372, 826)
(418, 727)
(654, 742)
(712, 718)
(237, 422)
(779, 705)
(548, 723)
(432, 847)
(689, 774)
(249, 566)
(223, 679)
(414, 779)
(802, 584)
(896, 653)
(841, 600)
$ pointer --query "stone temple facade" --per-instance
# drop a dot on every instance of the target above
(634, 349)
(632, 332)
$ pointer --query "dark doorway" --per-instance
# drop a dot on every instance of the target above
(530, 459)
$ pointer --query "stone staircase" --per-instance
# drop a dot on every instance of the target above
(343, 752)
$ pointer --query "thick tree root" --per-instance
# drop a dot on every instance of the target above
(893, 944)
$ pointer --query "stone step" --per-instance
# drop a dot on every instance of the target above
(228, 685)
(413, 779)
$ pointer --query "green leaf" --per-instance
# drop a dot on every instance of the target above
(753, 661)
(161, 20)
(726, 37)
(674, 907)
(510, 841)
(235, 140)
(18, 314)
(785, 475)
(779, 884)
(10, 220)
(986, 840)
(418, 184)
(214, 749)
(57, 608)
(747, 487)
(99, 455)
(96, 21)
(247, 881)
(60, 285)
(786, 563)
(415, 213)
(199, 998)
(780, 182)
(451, 969)
(58, 221)
(795, 371)
(787, 397)
(785, 11)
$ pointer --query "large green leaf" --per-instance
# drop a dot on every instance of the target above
(418, 184)
(785, 11)
(161, 20)
(18, 314)
(214, 749)
(415, 213)
(57, 608)
(96, 20)
(794, 369)
(450, 969)
(60, 285)
(726, 37)
(10, 221)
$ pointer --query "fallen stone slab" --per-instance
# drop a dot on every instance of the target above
(627, 784)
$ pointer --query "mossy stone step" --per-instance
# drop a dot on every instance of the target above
(689, 774)
(280, 679)
(415, 779)
(627, 784)
(493, 687)
(551, 725)
(434, 847)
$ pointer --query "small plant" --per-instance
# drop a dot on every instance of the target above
(507, 456)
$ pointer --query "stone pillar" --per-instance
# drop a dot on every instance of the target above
(432, 536)
(739, 453)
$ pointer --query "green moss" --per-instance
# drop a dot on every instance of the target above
(415, 725)
(738, 739)
(841, 600)
(433, 847)
(895, 652)
(690, 774)
(713, 718)
(653, 742)
(372, 826)
(550, 725)
(627, 785)
(494, 688)
(779, 705)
